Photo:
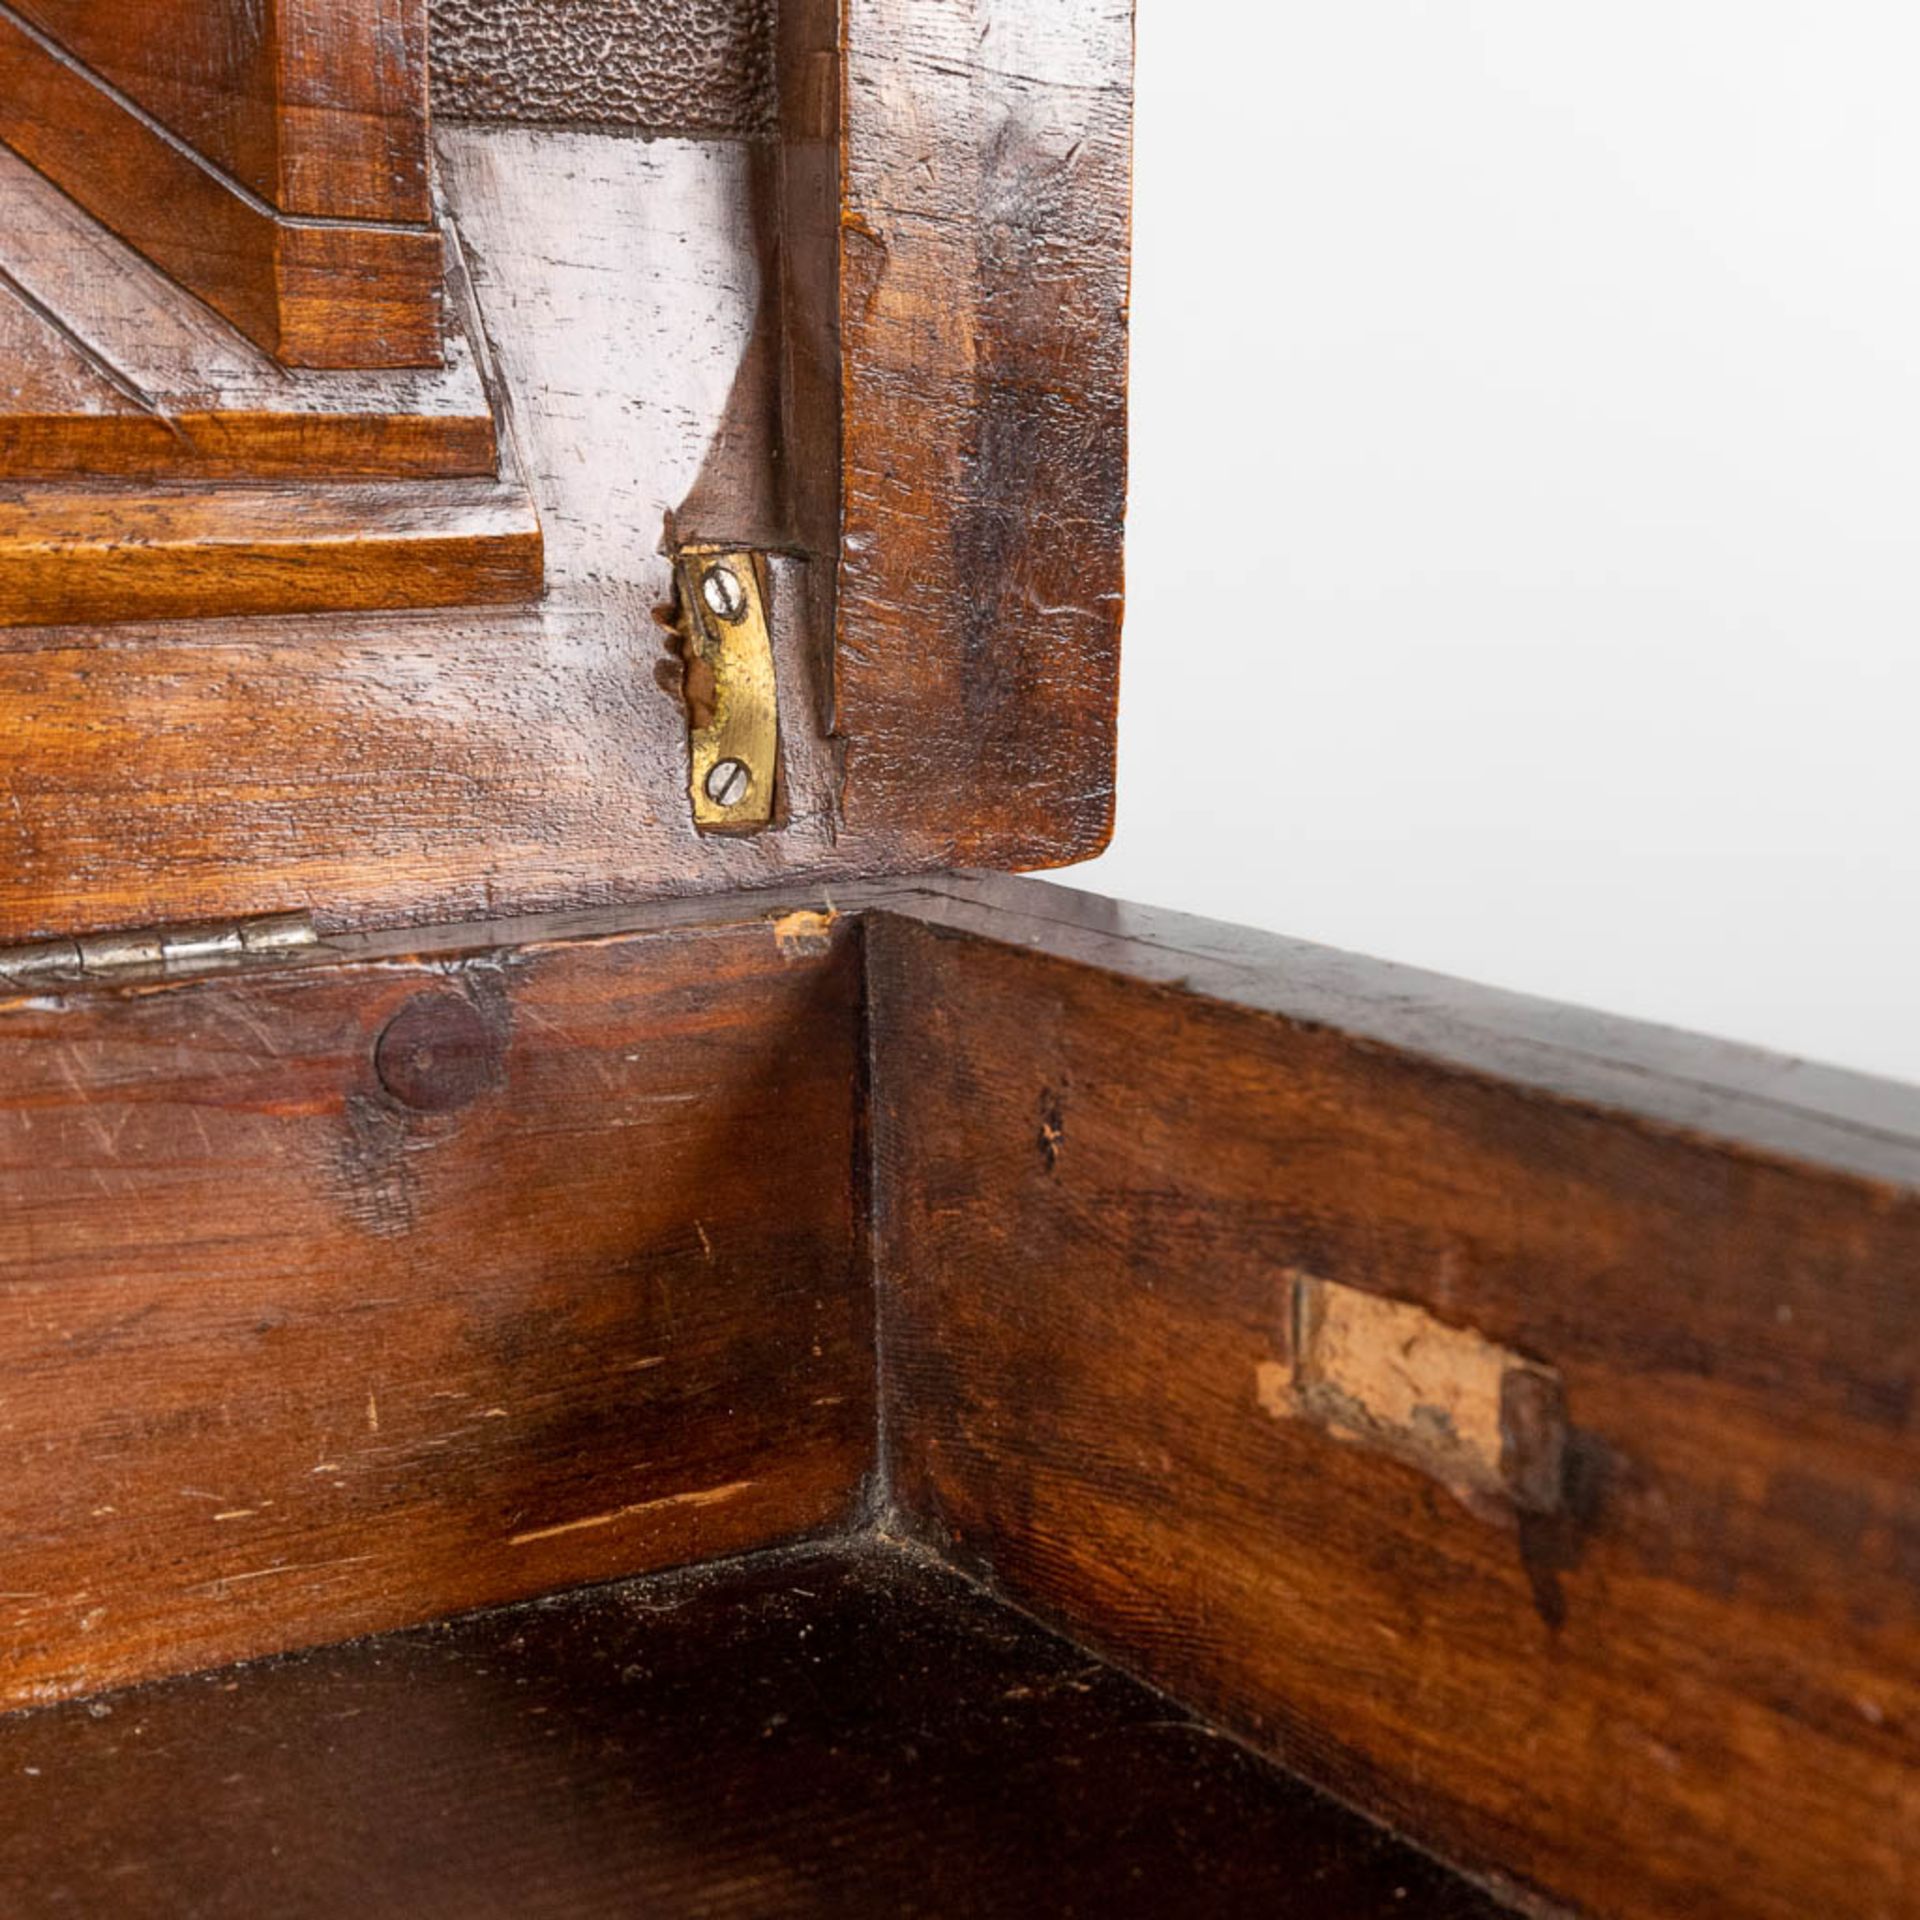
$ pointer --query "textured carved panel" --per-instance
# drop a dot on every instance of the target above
(694, 67)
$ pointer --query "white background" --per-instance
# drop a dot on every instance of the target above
(1525, 541)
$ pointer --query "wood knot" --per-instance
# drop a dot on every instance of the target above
(438, 1053)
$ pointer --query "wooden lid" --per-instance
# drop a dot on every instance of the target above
(859, 316)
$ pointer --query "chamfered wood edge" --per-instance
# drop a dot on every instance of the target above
(177, 393)
(110, 551)
(317, 108)
(314, 294)
(1724, 1091)
(80, 555)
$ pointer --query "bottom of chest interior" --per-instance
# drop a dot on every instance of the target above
(1499, 1420)
(840, 1729)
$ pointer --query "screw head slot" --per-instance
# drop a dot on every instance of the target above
(728, 783)
(723, 593)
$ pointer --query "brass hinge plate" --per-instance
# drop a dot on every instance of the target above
(733, 706)
(200, 947)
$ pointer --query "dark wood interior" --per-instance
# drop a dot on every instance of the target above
(409, 1275)
(566, 1350)
(844, 1729)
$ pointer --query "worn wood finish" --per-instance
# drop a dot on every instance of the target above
(374, 769)
(109, 367)
(380, 770)
(808, 181)
(983, 291)
(311, 292)
(431, 769)
(71, 554)
(722, 332)
(345, 1296)
(317, 107)
(844, 1732)
(228, 491)
(47, 375)
(695, 69)
(1106, 1144)
(202, 68)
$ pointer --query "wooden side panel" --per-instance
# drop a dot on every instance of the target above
(318, 107)
(1682, 1679)
(983, 269)
(338, 1298)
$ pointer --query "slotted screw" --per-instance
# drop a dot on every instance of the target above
(723, 593)
(727, 783)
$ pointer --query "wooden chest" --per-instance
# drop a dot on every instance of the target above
(598, 1313)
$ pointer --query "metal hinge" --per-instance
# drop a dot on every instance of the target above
(197, 948)
(733, 705)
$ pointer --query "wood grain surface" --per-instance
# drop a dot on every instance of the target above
(110, 367)
(344, 1296)
(1107, 1142)
(381, 769)
(203, 68)
(73, 553)
(376, 770)
(51, 378)
(316, 107)
(983, 297)
(426, 1271)
(353, 92)
(711, 341)
(311, 292)
(840, 1732)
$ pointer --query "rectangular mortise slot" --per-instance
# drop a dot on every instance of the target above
(1486, 1422)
